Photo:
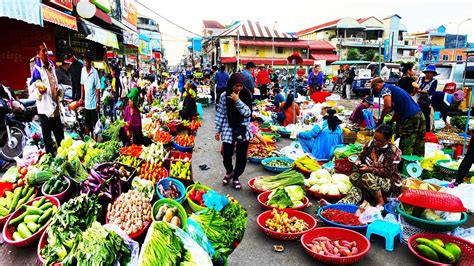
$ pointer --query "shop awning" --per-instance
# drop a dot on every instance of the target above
(228, 60)
(99, 14)
(295, 44)
(276, 61)
(28, 11)
(101, 36)
(59, 18)
(322, 56)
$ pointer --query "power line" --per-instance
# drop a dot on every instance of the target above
(171, 22)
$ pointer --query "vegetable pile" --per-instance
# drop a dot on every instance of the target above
(338, 248)
(105, 181)
(341, 217)
(282, 223)
(322, 182)
(437, 250)
(162, 136)
(100, 246)
(307, 164)
(428, 162)
(55, 185)
(196, 196)
(454, 165)
(129, 160)
(13, 200)
(33, 218)
(171, 191)
(261, 151)
(65, 231)
(144, 186)
(347, 150)
(154, 153)
(288, 197)
(185, 140)
(152, 171)
(131, 212)
(287, 178)
(180, 156)
(168, 214)
(279, 163)
(181, 170)
(133, 150)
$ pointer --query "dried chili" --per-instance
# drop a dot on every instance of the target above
(341, 217)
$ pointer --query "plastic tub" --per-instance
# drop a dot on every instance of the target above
(276, 169)
(60, 196)
(262, 198)
(253, 188)
(286, 236)
(194, 206)
(165, 182)
(432, 225)
(182, 148)
(343, 207)
(172, 203)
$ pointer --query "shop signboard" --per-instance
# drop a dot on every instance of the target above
(130, 50)
(104, 5)
(57, 17)
(129, 13)
(144, 47)
(155, 39)
(130, 38)
(66, 4)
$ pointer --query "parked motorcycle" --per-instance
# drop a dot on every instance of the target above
(71, 113)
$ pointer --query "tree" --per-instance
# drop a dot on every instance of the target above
(370, 54)
(353, 54)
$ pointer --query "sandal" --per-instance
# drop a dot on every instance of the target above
(236, 184)
(227, 178)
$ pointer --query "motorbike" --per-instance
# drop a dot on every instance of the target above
(71, 114)
(16, 119)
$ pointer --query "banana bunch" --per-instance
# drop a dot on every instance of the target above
(306, 163)
(269, 139)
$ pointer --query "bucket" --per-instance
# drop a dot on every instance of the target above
(437, 116)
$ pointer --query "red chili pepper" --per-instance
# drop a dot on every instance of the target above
(341, 217)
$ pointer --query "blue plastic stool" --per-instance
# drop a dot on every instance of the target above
(386, 229)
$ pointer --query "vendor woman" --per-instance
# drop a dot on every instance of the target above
(357, 116)
(189, 111)
(132, 131)
(378, 174)
(324, 135)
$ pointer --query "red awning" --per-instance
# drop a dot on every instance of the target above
(294, 44)
(322, 56)
(276, 61)
(228, 60)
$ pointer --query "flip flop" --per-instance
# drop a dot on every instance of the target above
(236, 184)
(227, 179)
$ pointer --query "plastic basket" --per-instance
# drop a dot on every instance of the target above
(467, 248)
(255, 160)
(262, 198)
(286, 236)
(182, 148)
(343, 166)
(60, 196)
(195, 207)
(5, 186)
(343, 207)
(284, 133)
(252, 187)
(4, 219)
(9, 230)
(275, 169)
(448, 171)
(335, 233)
(267, 130)
(165, 182)
(172, 203)
(329, 198)
(431, 225)
(430, 199)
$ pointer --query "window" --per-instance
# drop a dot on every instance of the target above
(243, 49)
(257, 51)
(279, 50)
(459, 58)
(445, 57)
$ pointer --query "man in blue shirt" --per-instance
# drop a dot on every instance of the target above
(249, 81)
(407, 111)
(221, 83)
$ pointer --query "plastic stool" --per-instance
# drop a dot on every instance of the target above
(386, 229)
(199, 109)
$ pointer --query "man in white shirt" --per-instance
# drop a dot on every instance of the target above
(90, 93)
(384, 72)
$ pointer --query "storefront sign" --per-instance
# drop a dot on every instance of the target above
(104, 5)
(66, 4)
(155, 39)
(144, 47)
(130, 38)
(130, 50)
(129, 13)
(57, 17)
(101, 36)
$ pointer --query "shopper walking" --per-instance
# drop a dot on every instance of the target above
(212, 83)
(412, 121)
(315, 79)
(90, 93)
(427, 86)
(75, 70)
(249, 80)
(233, 127)
(62, 72)
(384, 72)
(263, 80)
(221, 83)
(44, 88)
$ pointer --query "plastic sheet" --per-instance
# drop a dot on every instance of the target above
(132, 245)
(293, 151)
(195, 231)
(214, 200)
(465, 193)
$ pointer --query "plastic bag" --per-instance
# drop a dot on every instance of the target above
(467, 234)
(132, 245)
(293, 151)
(391, 218)
(371, 214)
(464, 192)
(195, 231)
(98, 127)
(214, 200)
(11, 175)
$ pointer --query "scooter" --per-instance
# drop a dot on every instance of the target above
(71, 114)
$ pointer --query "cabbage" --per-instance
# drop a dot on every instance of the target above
(296, 193)
(312, 179)
(323, 173)
(324, 189)
(314, 188)
(322, 181)
(338, 178)
(333, 190)
(307, 183)
(343, 187)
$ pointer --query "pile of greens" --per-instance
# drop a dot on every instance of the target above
(236, 218)
(288, 197)
(347, 150)
(113, 130)
(459, 122)
(65, 231)
(284, 179)
(100, 246)
(106, 152)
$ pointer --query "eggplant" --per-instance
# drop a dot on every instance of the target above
(107, 195)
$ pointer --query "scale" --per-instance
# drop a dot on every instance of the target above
(414, 170)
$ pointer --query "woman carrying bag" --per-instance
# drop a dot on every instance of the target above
(233, 127)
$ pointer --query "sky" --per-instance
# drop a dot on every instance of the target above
(293, 16)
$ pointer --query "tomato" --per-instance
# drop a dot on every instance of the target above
(23, 171)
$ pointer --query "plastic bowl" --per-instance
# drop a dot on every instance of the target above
(343, 207)
(172, 203)
(335, 233)
(9, 230)
(467, 248)
(275, 169)
(255, 160)
(286, 236)
(182, 148)
(165, 182)
(252, 187)
(329, 198)
(194, 206)
(60, 196)
(263, 198)
(431, 225)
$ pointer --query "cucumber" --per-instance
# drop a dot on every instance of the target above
(31, 218)
(17, 236)
(16, 198)
(24, 231)
(444, 254)
(30, 210)
(455, 250)
(3, 211)
(46, 206)
(427, 252)
(438, 241)
(24, 190)
(46, 215)
(9, 198)
(18, 219)
(33, 227)
(39, 202)
(3, 202)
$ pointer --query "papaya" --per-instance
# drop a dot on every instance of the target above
(427, 252)
(438, 241)
(444, 254)
(455, 250)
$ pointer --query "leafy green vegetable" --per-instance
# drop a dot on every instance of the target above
(287, 178)
(162, 247)
(65, 231)
(347, 150)
(296, 193)
(101, 247)
(280, 199)
(113, 130)
(459, 122)
(236, 218)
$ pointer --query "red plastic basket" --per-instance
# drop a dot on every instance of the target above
(60, 196)
(343, 166)
(263, 198)
(330, 198)
(430, 199)
(252, 187)
(9, 230)
(335, 233)
(138, 234)
(268, 130)
(5, 186)
(286, 236)
(467, 248)
(4, 219)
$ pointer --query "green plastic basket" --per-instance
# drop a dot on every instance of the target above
(172, 203)
(195, 207)
(431, 225)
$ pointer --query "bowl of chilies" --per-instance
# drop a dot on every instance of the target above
(286, 225)
(341, 215)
